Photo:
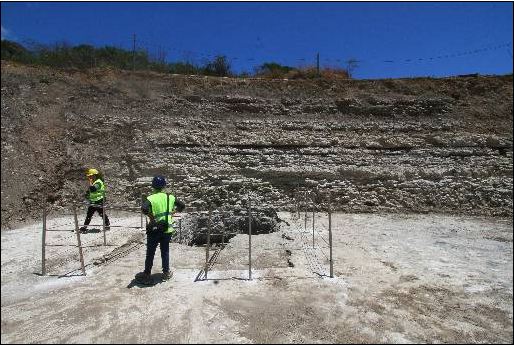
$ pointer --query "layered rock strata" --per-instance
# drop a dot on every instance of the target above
(407, 145)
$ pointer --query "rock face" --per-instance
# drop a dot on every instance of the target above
(410, 145)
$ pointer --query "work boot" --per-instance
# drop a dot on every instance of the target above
(144, 278)
(167, 275)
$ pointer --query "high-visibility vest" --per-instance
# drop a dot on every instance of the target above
(99, 194)
(159, 211)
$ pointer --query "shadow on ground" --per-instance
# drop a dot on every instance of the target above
(137, 281)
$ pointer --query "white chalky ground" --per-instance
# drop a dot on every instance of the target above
(398, 278)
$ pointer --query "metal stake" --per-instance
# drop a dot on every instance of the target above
(141, 210)
(43, 243)
(78, 240)
(180, 230)
(330, 243)
(249, 240)
(305, 221)
(208, 243)
(224, 228)
(312, 229)
(103, 222)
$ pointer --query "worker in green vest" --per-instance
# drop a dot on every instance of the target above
(96, 197)
(159, 207)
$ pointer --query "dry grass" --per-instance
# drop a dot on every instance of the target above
(308, 72)
(324, 73)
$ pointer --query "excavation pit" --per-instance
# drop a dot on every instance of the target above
(227, 224)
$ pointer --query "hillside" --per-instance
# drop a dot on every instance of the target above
(406, 145)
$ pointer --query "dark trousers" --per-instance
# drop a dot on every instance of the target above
(96, 207)
(152, 240)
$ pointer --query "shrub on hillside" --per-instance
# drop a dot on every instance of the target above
(14, 51)
(183, 68)
(272, 70)
(334, 73)
(312, 73)
(84, 56)
(219, 67)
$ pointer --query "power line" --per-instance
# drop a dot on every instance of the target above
(468, 52)
(163, 49)
(444, 56)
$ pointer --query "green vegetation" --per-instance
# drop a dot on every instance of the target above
(14, 51)
(63, 55)
(276, 71)
(273, 70)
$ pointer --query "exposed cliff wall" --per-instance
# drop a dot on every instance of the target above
(409, 145)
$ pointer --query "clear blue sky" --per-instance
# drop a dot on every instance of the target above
(449, 38)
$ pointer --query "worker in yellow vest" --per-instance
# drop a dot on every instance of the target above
(159, 207)
(96, 197)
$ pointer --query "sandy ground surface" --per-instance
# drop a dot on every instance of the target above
(398, 279)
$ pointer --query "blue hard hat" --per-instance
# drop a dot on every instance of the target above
(159, 182)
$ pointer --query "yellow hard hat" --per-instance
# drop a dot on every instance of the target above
(91, 172)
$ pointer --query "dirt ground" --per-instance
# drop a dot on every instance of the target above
(397, 279)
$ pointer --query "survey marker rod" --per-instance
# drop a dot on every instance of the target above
(208, 242)
(43, 243)
(224, 228)
(249, 240)
(78, 240)
(312, 229)
(141, 210)
(330, 242)
(305, 220)
(180, 230)
(103, 221)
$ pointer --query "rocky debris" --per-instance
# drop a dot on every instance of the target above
(420, 145)
(226, 224)
(284, 236)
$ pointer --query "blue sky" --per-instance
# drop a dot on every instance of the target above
(391, 39)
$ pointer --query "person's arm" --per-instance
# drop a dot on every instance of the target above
(147, 209)
(94, 187)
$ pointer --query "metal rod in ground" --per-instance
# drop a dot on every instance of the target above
(141, 210)
(103, 222)
(43, 243)
(312, 229)
(179, 230)
(305, 221)
(330, 243)
(208, 242)
(249, 240)
(78, 240)
(224, 229)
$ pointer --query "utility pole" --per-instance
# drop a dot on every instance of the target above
(134, 52)
(317, 63)
(351, 65)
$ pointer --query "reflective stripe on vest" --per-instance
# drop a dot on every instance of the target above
(158, 201)
(99, 193)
